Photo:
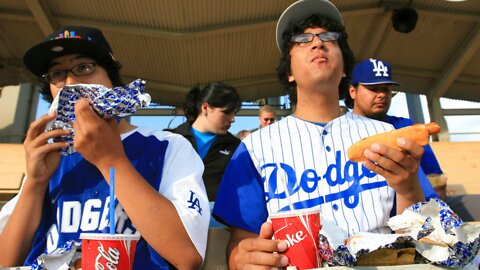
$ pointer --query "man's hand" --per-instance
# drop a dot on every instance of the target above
(400, 169)
(42, 157)
(251, 251)
(98, 140)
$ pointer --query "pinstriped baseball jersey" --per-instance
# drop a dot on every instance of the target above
(304, 164)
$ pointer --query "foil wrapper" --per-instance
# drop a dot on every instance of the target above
(441, 236)
(432, 228)
(62, 258)
(117, 102)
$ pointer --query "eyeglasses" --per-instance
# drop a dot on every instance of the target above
(269, 119)
(56, 76)
(324, 36)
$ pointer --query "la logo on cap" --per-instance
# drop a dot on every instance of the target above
(380, 69)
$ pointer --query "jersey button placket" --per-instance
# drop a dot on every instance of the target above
(325, 133)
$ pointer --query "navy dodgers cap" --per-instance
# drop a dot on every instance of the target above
(68, 40)
(372, 71)
(300, 11)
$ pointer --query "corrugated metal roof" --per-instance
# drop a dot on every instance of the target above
(177, 44)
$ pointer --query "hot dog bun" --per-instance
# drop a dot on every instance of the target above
(418, 133)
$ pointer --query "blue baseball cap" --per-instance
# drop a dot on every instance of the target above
(372, 71)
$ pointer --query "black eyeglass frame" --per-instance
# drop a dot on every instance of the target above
(47, 77)
(323, 36)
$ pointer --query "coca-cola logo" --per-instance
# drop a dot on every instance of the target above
(111, 257)
(295, 238)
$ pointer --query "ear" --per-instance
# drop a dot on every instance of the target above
(204, 108)
(291, 78)
(353, 92)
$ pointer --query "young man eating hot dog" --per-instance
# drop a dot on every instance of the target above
(304, 155)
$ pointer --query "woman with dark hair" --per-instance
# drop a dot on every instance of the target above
(210, 111)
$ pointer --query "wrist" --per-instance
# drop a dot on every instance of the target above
(412, 192)
(115, 161)
(36, 186)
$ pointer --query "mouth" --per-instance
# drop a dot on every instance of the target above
(319, 59)
(380, 104)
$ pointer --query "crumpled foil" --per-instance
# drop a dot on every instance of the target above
(441, 236)
(61, 258)
(436, 232)
(117, 102)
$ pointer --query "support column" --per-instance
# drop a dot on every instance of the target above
(415, 110)
(18, 107)
(436, 114)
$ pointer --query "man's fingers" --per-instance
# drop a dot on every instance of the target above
(84, 112)
(38, 126)
(414, 149)
(262, 260)
(45, 136)
(260, 252)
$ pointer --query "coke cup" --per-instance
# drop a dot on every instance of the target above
(300, 229)
(108, 251)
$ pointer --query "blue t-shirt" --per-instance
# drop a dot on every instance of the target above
(204, 140)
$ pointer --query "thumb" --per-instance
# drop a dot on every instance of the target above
(266, 231)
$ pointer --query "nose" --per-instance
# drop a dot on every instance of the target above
(71, 79)
(317, 43)
(232, 119)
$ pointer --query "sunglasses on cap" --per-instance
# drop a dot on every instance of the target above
(308, 37)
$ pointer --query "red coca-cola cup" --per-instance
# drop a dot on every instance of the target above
(108, 251)
(300, 229)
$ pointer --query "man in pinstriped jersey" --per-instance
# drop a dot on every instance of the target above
(300, 161)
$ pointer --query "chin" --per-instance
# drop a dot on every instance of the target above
(221, 132)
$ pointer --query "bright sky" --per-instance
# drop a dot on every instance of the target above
(456, 124)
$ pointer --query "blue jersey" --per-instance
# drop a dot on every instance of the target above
(299, 164)
(78, 199)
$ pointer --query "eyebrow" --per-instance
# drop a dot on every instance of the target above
(80, 56)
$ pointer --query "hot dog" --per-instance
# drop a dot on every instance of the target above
(418, 133)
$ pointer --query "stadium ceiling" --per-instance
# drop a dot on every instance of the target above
(175, 45)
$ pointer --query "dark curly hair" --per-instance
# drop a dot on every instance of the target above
(216, 94)
(284, 69)
(113, 72)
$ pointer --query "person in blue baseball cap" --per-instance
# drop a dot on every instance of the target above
(371, 89)
(370, 95)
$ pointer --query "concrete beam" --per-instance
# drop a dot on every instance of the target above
(41, 16)
(457, 63)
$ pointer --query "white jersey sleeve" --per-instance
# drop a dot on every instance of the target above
(183, 185)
